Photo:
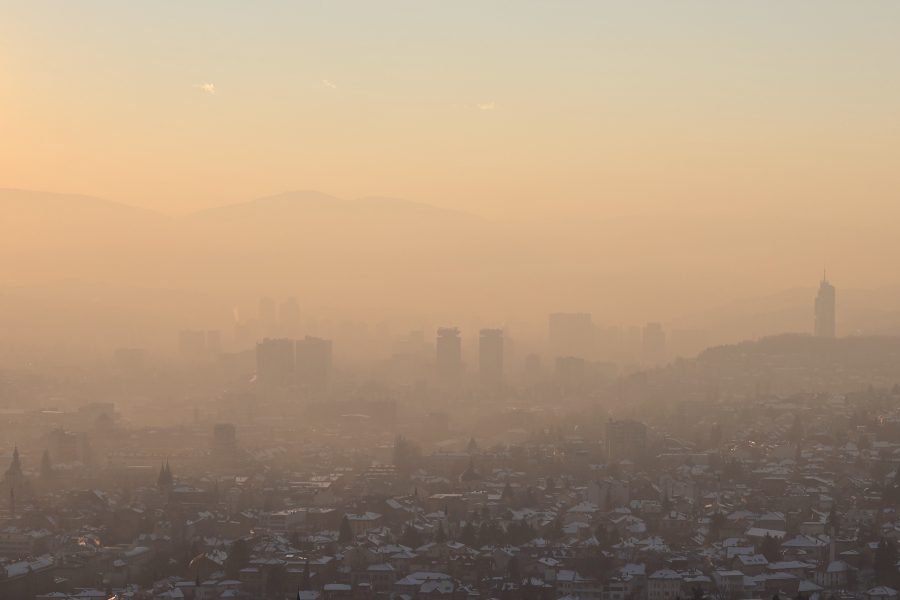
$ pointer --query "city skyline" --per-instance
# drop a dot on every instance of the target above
(659, 146)
(419, 300)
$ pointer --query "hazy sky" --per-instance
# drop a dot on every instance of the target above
(503, 108)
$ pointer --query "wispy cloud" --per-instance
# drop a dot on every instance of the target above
(329, 84)
(487, 105)
(207, 88)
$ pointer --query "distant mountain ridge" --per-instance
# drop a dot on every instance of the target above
(21, 199)
(328, 245)
(12, 196)
(376, 256)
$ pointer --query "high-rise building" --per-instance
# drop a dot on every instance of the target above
(409, 356)
(244, 335)
(571, 334)
(625, 439)
(825, 310)
(313, 358)
(570, 372)
(129, 359)
(275, 362)
(213, 342)
(192, 344)
(490, 356)
(267, 316)
(532, 368)
(289, 317)
(65, 446)
(448, 356)
(653, 345)
(224, 442)
(198, 344)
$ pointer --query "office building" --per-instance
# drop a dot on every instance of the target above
(626, 439)
(267, 316)
(289, 317)
(192, 344)
(490, 356)
(129, 359)
(313, 357)
(570, 372)
(448, 356)
(653, 345)
(532, 368)
(224, 442)
(213, 342)
(275, 362)
(571, 334)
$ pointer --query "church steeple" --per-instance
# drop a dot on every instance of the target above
(165, 478)
(14, 472)
(14, 478)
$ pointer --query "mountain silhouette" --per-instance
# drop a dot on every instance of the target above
(373, 257)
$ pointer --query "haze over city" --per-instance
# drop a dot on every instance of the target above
(404, 300)
(591, 156)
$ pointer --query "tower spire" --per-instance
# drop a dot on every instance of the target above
(825, 308)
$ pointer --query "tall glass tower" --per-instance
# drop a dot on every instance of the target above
(824, 326)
